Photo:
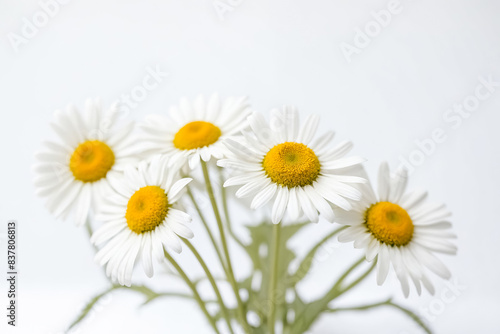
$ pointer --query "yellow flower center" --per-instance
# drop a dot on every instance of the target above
(196, 135)
(389, 223)
(292, 165)
(146, 209)
(91, 161)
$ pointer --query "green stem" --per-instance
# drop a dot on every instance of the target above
(232, 280)
(413, 316)
(386, 303)
(226, 211)
(356, 282)
(212, 282)
(207, 228)
(359, 308)
(273, 281)
(319, 306)
(342, 278)
(89, 306)
(191, 285)
(308, 259)
(150, 294)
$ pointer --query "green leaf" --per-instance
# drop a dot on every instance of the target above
(89, 306)
(307, 262)
(261, 235)
(258, 300)
(412, 315)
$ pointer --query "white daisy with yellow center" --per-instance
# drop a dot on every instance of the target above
(284, 162)
(141, 218)
(401, 229)
(195, 130)
(73, 174)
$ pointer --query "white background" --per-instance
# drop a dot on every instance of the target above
(393, 93)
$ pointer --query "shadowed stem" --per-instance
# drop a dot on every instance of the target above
(413, 316)
(230, 272)
(274, 277)
(308, 259)
(191, 286)
(359, 308)
(209, 232)
(388, 302)
(226, 211)
(337, 290)
(212, 282)
(321, 304)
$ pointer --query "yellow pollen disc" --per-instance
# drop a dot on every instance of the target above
(91, 161)
(146, 209)
(389, 223)
(196, 135)
(292, 165)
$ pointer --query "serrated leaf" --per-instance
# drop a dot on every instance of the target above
(89, 307)
(261, 235)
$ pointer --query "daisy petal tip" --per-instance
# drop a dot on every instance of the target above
(176, 249)
(315, 220)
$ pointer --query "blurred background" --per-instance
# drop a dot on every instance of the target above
(410, 82)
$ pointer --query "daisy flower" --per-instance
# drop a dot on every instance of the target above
(195, 130)
(401, 229)
(284, 162)
(141, 218)
(73, 173)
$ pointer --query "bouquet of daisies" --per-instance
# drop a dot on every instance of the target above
(139, 190)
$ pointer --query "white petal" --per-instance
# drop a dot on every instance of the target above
(176, 190)
(146, 253)
(280, 203)
(243, 179)
(252, 187)
(383, 263)
(320, 203)
(372, 249)
(308, 130)
(320, 143)
(331, 196)
(83, 206)
(171, 239)
(264, 196)
(130, 261)
(108, 231)
(194, 160)
(411, 200)
(342, 163)
(180, 229)
(293, 204)
(398, 185)
(309, 210)
(338, 151)
(384, 182)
